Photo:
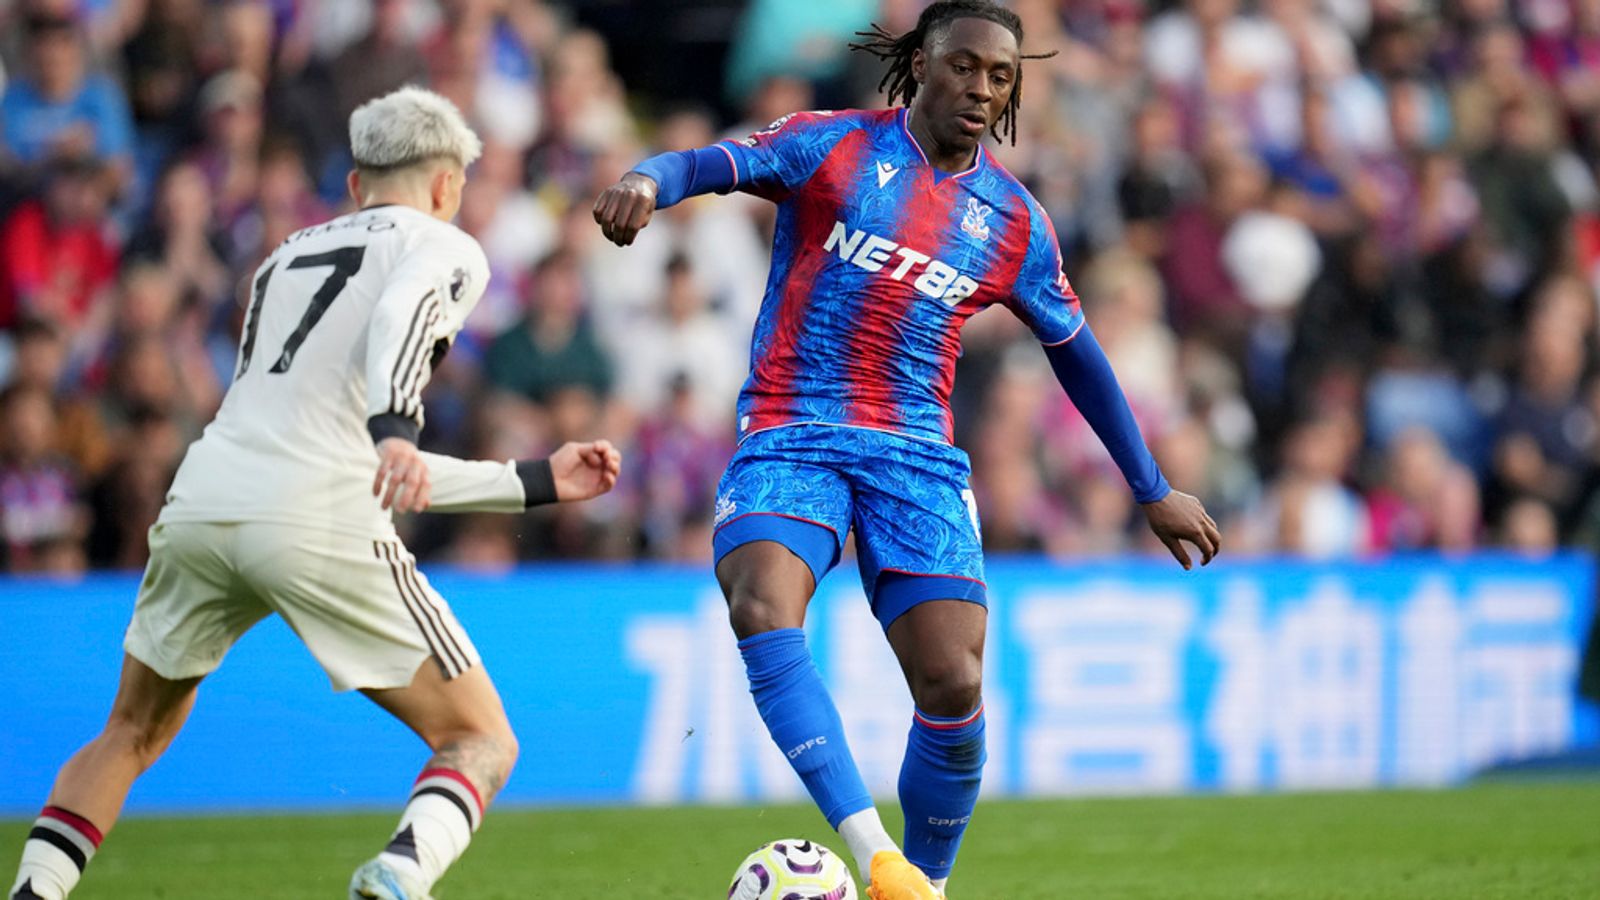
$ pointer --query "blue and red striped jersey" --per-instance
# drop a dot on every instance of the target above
(877, 262)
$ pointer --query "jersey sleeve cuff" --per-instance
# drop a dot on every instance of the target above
(1068, 338)
(1154, 493)
(388, 425)
(538, 482)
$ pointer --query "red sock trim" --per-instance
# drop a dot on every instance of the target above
(926, 722)
(78, 823)
(457, 777)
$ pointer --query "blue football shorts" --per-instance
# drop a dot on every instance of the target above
(806, 486)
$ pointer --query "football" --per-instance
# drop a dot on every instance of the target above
(792, 869)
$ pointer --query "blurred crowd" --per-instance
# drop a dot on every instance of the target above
(1343, 254)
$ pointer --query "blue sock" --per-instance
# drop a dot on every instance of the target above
(803, 721)
(939, 787)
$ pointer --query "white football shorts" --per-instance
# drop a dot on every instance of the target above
(360, 605)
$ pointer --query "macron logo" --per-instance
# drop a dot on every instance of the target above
(817, 741)
(938, 280)
(885, 172)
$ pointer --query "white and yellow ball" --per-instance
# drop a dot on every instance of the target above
(792, 869)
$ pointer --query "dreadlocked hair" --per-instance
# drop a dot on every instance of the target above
(898, 83)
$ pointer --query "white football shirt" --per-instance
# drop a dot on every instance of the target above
(344, 323)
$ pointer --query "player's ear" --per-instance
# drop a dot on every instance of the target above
(919, 66)
(352, 183)
(439, 187)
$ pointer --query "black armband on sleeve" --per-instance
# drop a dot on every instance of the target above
(538, 481)
(388, 425)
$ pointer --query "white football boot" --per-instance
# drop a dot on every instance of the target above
(377, 881)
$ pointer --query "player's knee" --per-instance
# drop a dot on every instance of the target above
(763, 589)
(753, 611)
(509, 751)
(948, 687)
(484, 753)
(750, 615)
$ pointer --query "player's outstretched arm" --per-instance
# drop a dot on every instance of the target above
(1086, 375)
(577, 471)
(624, 209)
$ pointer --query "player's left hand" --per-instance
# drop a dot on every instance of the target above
(585, 470)
(402, 480)
(1179, 517)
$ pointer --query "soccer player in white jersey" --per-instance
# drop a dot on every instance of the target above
(285, 506)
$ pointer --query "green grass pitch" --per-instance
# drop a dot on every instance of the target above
(1524, 840)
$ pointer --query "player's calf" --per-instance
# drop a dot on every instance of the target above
(448, 802)
(90, 789)
(939, 783)
(945, 750)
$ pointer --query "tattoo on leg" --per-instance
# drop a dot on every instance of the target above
(482, 759)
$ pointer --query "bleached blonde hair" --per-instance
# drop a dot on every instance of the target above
(410, 126)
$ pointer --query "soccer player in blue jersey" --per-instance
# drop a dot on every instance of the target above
(894, 227)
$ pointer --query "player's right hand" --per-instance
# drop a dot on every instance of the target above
(624, 209)
(1179, 517)
(402, 480)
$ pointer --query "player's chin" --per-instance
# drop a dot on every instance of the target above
(961, 142)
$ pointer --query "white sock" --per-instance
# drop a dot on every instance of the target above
(57, 850)
(864, 834)
(436, 826)
(940, 883)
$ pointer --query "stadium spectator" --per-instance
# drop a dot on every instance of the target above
(144, 380)
(1157, 177)
(1529, 527)
(228, 154)
(515, 228)
(39, 363)
(1309, 509)
(1544, 431)
(181, 237)
(726, 251)
(162, 63)
(679, 459)
(1237, 71)
(145, 304)
(60, 108)
(682, 340)
(1424, 500)
(482, 57)
(383, 59)
(586, 115)
(55, 257)
(127, 498)
(284, 202)
(553, 348)
(41, 518)
(1443, 155)
(1204, 299)
(1125, 296)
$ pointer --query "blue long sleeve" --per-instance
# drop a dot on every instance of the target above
(1083, 370)
(686, 173)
